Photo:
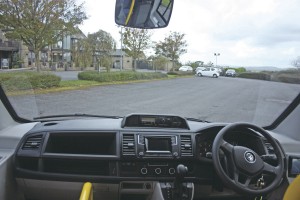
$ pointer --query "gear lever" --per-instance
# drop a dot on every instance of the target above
(181, 191)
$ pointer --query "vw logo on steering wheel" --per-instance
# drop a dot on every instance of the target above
(249, 157)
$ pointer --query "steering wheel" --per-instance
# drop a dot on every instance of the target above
(243, 164)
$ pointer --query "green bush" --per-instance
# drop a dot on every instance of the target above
(240, 70)
(253, 75)
(172, 73)
(180, 73)
(119, 76)
(28, 80)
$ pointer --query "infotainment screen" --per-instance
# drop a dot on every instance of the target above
(158, 144)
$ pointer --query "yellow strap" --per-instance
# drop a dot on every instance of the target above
(87, 192)
(293, 191)
(130, 12)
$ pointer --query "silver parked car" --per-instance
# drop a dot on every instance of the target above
(230, 72)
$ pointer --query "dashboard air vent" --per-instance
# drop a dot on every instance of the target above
(186, 145)
(128, 145)
(33, 142)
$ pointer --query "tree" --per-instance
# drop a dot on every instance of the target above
(40, 23)
(199, 63)
(103, 44)
(209, 64)
(296, 63)
(136, 41)
(195, 64)
(82, 53)
(158, 62)
(240, 69)
(172, 47)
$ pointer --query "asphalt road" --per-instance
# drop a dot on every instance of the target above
(217, 100)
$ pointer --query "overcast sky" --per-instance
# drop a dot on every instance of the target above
(244, 32)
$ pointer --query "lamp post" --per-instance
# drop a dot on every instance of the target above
(121, 66)
(217, 54)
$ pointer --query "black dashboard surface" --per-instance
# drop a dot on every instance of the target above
(100, 150)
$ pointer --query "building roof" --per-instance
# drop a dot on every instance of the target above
(78, 35)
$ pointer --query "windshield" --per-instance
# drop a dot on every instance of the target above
(87, 64)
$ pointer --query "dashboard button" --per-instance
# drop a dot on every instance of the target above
(157, 171)
(208, 155)
(171, 171)
(144, 171)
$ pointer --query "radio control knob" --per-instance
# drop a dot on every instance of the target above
(144, 171)
(157, 171)
(172, 171)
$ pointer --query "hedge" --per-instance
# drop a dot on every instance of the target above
(288, 78)
(253, 75)
(119, 76)
(28, 80)
(180, 73)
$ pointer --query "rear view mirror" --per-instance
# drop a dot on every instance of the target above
(146, 14)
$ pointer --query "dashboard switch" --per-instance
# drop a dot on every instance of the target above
(144, 171)
(208, 155)
(157, 171)
(172, 171)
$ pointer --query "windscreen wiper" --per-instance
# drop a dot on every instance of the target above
(197, 120)
(76, 115)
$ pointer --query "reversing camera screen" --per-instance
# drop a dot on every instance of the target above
(295, 169)
(158, 144)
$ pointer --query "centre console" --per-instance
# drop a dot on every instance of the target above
(151, 155)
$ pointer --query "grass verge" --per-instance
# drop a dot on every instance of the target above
(81, 84)
(13, 81)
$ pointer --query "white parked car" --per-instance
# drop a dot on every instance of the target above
(219, 70)
(186, 69)
(199, 69)
(212, 72)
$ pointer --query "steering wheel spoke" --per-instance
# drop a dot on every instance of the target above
(244, 182)
(270, 169)
(247, 182)
(226, 147)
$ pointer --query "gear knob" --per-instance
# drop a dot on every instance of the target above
(181, 170)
